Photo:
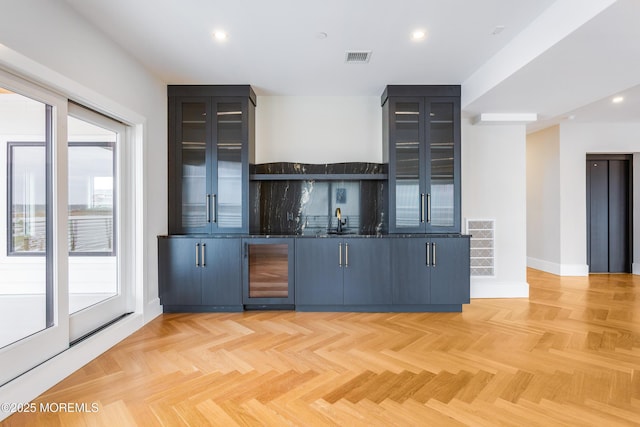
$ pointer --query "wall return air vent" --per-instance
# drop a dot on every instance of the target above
(357, 57)
(482, 247)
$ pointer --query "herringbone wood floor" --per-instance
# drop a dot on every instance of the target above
(569, 355)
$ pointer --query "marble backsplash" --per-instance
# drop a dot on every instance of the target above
(349, 168)
(302, 206)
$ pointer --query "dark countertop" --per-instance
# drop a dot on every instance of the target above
(317, 236)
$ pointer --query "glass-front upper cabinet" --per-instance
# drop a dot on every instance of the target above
(442, 169)
(193, 167)
(210, 140)
(407, 154)
(229, 143)
(422, 133)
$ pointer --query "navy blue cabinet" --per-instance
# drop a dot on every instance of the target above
(211, 137)
(179, 274)
(422, 147)
(430, 270)
(319, 277)
(366, 271)
(342, 272)
(198, 274)
(410, 270)
(425, 273)
(450, 270)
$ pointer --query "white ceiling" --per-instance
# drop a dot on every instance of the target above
(556, 58)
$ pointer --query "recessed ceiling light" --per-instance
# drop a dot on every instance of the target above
(418, 35)
(220, 35)
(617, 99)
(497, 30)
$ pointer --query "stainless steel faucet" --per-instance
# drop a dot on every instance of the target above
(340, 223)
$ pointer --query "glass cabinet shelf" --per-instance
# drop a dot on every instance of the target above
(211, 135)
(423, 139)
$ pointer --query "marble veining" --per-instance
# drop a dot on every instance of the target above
(314, 169)
(307, 206)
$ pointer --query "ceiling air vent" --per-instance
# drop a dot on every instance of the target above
(357, 57)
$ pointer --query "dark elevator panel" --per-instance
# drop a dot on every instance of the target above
(609, 213)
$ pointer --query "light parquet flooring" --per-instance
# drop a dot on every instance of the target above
(568, 355)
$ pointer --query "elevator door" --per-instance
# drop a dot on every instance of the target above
(609, 214)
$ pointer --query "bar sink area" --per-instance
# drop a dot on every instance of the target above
(350, 236)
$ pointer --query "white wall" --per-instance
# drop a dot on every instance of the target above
(318, 129)
(494, 187)
(576, 140)
(543, 200)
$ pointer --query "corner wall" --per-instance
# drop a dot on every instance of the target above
(543, 200)
(494, 187)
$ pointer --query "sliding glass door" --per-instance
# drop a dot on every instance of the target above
(96, 295)
(66, 224)
(33, 303)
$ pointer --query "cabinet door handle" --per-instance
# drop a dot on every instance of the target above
(208, 204)
(339, 254)
(428, 252)
(433, 255)
(346, 255)
(429, 207)
(214, 209)
(422, 207)
(197, 254)
(204, 262)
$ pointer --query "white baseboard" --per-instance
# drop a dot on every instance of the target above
(543, 265)
(487, 288)
(33, 383)
(558, 269)
(574, 270)
(635, 268)
(152, 310)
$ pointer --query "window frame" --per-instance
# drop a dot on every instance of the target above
(10, 242)
(11, 252)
